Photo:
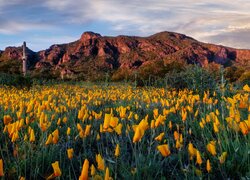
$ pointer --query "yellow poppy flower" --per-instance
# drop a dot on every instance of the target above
(92, 170)
(1, 168)
(32, 136)
(100, 162)
(49, 140)
(164, 150)
(70, 153)
(223, 157)
(198, 158)
(160, 136)
(85, 169)
(211, 147)
(208, 166)
(117, 150)
(56, 168)
(106, 174)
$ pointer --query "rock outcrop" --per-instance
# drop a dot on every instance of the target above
(111, 53)
(16, 53)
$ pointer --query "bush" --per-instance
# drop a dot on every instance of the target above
(193, 77)
(15, 80)
(121, 74)
(232, 74)
(245, 78)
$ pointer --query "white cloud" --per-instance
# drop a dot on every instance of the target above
(38, 43)
(150, 16)
(13, 27)
(204, 20)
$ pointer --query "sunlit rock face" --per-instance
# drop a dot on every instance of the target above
(129, 52)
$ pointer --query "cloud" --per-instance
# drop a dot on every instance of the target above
(238, 38)
(161, 15)
(36, 43)
(12, 27)
(204, 20)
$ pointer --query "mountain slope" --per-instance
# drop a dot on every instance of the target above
(95, 53)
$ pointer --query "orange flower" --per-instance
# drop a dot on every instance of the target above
(70, 153)
(106, 174)
(106, 122)
(55, 136)
(100, 162)
(223, 157)
(7, 119)
(246, 88)
(156, 113)
(92, 168)
(164, 150)
(123, 112)
(138, 134)
(56, 168)
(85, 169)
(211, 147)
(1, 168)
(117, 150)
(152, 124)
(49, 140)
(118, 129)
(191, 150)
(208, 166)
(159, 137)
(22, 178)
(183, 114)
(244, 128)
(216, 127)
(113, 122)
(68, 131)
(32, 136)
(87, 130)
(198, 158)
(170, 124)
(176, 135)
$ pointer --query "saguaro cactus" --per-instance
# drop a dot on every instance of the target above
(24, 59)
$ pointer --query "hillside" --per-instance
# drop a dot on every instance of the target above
(93, 55)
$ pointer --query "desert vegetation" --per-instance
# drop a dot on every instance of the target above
(174, 127)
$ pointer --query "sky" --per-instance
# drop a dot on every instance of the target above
(42, 23)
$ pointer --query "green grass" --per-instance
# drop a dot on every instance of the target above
(33, 159)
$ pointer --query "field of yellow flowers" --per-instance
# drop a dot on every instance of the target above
(122, 132)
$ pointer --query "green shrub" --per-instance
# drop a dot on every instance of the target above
(193, 77)
(245, 78)
(15, 80)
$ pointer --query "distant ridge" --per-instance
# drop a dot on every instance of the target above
(93, 52)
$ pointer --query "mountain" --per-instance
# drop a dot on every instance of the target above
(93, 55)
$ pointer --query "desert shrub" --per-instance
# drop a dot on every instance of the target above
(120, 75)
(245, 78)
(159, 69)
(11, 66)
(15, 80)
(193, 77)
(45, 73)
(233, 73)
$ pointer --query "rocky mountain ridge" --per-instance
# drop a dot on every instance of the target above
(102, 53)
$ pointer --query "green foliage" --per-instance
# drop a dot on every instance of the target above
(245, 78)
(15, 80)
(192, 77)
(233, 73)
(137, 160)
(121, 74)
(45, 73)
(11, 66)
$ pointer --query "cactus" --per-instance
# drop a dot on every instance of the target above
(24, 59)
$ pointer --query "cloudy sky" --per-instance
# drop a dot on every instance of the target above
(45, 22)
